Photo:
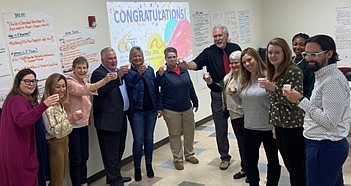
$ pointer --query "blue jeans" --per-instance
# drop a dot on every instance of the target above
(143, 126)
(324, 161)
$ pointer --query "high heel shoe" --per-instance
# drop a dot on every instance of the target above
(149, 171)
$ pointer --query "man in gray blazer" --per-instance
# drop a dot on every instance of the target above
(110, 108)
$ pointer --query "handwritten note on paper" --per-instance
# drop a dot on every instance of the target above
(244, 27)
(343, 35)
(31, 41)
(231, 22)
(3, 93)
(75, 43)
(202, 33)
(4, 60)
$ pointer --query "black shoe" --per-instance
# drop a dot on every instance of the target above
(239, 175)
(149, 171)
(137, 174)
(127, 179)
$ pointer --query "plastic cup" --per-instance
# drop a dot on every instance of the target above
(287, 87)
(164, 67)
(180, 60)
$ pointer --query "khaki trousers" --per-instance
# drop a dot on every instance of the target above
(180, 123)
(58, 157)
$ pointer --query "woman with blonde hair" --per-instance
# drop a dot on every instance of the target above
(57, 127)
(257, 130)
(145, 108)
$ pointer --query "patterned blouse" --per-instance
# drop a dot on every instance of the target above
(282, 113)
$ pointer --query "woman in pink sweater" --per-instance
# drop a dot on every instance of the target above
(79, 91)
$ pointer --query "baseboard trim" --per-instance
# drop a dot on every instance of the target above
(157, 145)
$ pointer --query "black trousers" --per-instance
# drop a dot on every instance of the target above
(253, 140)
(238, 127)
(291, 145)
(78, 155)
(112, 146)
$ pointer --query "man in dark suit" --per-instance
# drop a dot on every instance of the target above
(109, 109)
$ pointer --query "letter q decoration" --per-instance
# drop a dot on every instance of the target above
(92, 21)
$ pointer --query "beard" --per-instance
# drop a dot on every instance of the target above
(314, 66)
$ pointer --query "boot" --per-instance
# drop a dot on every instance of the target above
(137, 174)
(149, 171)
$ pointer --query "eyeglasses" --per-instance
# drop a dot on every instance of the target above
(29, 82)
(313, 54)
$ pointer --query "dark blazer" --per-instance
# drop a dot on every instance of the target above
(108, 104)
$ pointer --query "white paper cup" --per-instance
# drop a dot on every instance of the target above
(260, 81)
(232, 88)
(79, 111)
(113, 73)
(180, 60)
(287, 87)
(57, 96)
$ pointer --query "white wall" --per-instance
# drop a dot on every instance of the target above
(268, 19)
(285, 18)
(69, 14)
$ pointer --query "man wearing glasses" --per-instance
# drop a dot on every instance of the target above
(327, 114)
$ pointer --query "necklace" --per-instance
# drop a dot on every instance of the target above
(299, 61)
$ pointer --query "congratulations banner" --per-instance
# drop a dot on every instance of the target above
(153, 26)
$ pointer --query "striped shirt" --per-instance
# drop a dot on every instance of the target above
(328, 112)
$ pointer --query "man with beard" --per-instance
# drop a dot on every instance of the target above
(327, 116)
(216, 60)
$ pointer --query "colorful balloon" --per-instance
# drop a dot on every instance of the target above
(169, 29)
(155, 47)
(181, 38)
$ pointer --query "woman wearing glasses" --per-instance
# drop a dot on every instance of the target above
(21, 113)
(298, 46)
(286, 117)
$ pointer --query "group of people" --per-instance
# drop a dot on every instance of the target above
(306, 122)
(39, 139)
(300, 121)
